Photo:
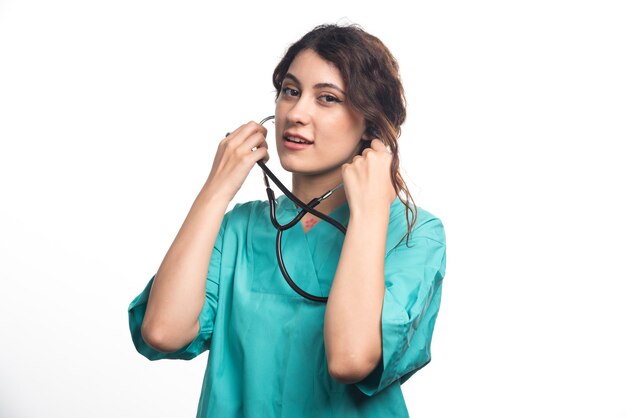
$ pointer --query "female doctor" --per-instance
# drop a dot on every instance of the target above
(339, 108)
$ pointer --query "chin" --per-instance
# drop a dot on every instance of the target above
(303, 166)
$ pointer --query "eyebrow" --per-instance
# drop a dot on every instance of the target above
(317, 86)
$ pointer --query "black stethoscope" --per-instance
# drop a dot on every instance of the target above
(306, 207)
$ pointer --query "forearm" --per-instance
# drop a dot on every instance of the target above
(352, 324)
(178, 290)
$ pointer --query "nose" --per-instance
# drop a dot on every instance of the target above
(300, 112)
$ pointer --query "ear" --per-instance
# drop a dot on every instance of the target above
(370, 133)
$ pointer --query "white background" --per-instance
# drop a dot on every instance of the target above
(110, 113)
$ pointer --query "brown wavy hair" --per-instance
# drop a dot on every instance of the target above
(373, 88)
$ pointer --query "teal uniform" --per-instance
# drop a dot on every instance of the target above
(266, 343)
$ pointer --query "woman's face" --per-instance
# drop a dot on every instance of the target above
(312, 107)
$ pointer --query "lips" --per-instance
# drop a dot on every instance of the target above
(294, 145)
(295, 138)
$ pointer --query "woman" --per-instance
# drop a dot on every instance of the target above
(339, 107)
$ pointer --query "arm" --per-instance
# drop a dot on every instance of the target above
(352, 325)
(179, 287)
(178, 291)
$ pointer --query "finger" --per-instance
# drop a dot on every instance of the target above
(254, 141)
(356, 158)
(236, 131)
(257, 153)
(262, 145)
(240, 134)
(378, 145)
(266, 158)
(260, 153)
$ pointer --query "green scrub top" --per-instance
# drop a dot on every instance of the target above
(266, 343)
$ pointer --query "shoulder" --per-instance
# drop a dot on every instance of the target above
(244, 211)
(251, 206)
(427, 225)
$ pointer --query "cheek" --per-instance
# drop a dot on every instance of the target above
(277, 130)
(351, 127)
(278, 125)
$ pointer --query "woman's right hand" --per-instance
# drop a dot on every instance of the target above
(235, 158)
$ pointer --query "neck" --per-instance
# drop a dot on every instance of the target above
(307, 188)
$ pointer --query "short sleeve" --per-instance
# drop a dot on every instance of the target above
(201, 343)
(413, 277)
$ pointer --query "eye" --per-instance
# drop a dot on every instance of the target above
(329, 98)
(288, 91)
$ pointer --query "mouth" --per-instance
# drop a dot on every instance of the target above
(293, 141)
(296, 139)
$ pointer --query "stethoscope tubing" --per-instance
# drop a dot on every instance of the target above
(305, 207)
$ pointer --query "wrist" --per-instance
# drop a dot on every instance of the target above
(209, 194)
(370, 215)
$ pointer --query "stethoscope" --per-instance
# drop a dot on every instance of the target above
(306, 207)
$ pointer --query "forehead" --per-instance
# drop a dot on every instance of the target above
(310, 68)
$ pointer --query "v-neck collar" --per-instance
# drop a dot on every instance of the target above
(313, 254)
(311, 257)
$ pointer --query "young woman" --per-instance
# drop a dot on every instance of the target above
(339, 108)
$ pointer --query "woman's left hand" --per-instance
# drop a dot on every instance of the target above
(367, 179)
